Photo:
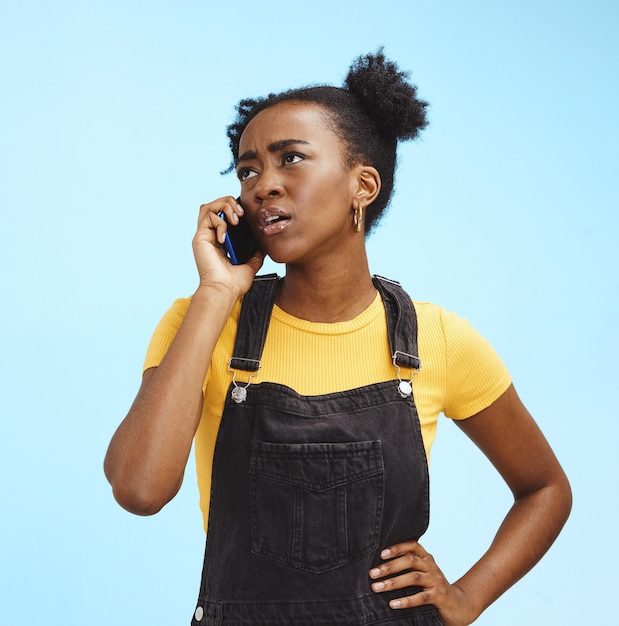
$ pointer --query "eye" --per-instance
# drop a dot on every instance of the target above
(246, 173)
(292, 157)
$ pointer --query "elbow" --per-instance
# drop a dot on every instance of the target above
(560, 493)
(138, 496)
(553, 500)
(137, 501)
(566, 497)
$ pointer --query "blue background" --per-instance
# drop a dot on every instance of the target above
(112, 122)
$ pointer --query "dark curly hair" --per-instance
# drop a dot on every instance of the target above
(375, 108)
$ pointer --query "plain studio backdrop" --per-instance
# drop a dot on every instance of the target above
(112, 134)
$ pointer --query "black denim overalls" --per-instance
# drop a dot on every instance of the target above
(307, 490)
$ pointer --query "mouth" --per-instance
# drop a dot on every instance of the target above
(272, 220)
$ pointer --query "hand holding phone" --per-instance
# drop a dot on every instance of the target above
(240, 243)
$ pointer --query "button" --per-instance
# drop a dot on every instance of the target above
(199, 614)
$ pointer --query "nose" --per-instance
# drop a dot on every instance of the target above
(269, 184)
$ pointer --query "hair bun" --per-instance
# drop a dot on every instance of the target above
(387, 96)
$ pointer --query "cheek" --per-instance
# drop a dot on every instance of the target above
(332, 187)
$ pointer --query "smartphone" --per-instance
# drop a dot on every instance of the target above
(241, 244)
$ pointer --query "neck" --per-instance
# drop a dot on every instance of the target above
(328, 293)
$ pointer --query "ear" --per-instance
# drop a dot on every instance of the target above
(368, 184)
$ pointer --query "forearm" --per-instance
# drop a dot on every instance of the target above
(511, 440)
(146, 458)
(528, 531)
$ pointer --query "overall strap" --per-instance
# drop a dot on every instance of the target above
(401, 323)
(253, 323)
(258, 303)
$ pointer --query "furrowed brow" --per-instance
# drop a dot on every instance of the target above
(247, 156)
(276, 146)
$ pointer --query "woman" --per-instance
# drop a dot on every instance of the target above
(313, 482)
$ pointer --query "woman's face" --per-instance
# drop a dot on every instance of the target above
(295, 186)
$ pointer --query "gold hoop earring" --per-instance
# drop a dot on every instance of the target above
(357, 218)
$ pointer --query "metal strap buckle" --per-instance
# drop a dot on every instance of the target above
(405, 387)
(239, 393)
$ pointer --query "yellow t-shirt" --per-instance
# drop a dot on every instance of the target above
(460, 374)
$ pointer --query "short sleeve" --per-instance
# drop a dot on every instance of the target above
(475, 375)
(165, 332)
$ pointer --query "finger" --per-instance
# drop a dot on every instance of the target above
(409, 579)
(251, 268)
(226, 205)
(208, 213)
(419, 599)
(402, 548)
(406, 562)
(210, 221)
(231, 209)
(256, 261)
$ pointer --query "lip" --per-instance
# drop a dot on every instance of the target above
(272, 220)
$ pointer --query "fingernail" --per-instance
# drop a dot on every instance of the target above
(385, 553)
(239, 208)
(395, 604)
(378, 586)
(375, 572)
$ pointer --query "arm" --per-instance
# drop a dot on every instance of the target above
(508, 436)
(146, 458)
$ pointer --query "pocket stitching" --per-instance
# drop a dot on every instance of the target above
(288, 554)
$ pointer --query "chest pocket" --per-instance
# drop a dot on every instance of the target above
(315, 506)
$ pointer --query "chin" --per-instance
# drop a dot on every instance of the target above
(280, 258)
(282, 254)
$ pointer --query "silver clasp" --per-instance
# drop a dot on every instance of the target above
(405, 387)
(239, 393)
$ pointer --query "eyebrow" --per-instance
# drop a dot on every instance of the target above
(276, 146)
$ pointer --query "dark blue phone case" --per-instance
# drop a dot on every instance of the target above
(228, 243)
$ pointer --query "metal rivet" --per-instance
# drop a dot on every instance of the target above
(405, 388)
(239, 394)
(199, 614)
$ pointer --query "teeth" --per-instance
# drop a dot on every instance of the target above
(271, 219)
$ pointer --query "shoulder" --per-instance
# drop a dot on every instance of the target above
(474, 374)
(456, 331)
(174, 316)
(168, 326)
(439, 325)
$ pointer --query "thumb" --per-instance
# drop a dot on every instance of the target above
(257, 261)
